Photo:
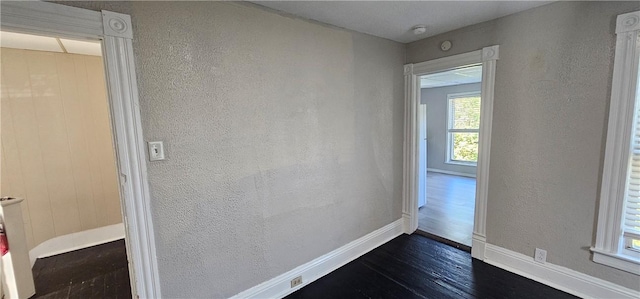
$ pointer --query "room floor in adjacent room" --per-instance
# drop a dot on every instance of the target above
(413, 266)
(449, 211)
(96, 272)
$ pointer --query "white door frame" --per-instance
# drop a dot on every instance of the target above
(114, 29)
(412, 72)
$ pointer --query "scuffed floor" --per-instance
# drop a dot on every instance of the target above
(95, 272)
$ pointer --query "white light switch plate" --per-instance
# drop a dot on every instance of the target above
(156, 150)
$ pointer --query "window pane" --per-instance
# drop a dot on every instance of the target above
(465, 147)
(465, 112)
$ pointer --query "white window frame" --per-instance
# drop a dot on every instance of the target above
(609, 248)
(451, 97)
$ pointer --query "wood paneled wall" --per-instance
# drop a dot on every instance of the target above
(57, 148)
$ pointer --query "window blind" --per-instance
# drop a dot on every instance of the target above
(631, 215)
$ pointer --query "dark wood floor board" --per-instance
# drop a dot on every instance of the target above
(123, 287)
(42, 266)
(97, 287)
(411, 278)
(412, 262)
(412, 266)
(59, 294)
(110, 285)
(97, 272)
(450, 206)
(356, 280)
(81, 290)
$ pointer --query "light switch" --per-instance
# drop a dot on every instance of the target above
(156, 150)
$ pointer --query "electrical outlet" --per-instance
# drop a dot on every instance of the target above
(540, 256)
(296, 281)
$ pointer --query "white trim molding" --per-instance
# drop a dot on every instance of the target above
(280, 286)
(607, 248)
(116, 24)
(487, 57)
(561, 278)
(490, 56)
(410, 152)
(478, 245)
(115, 30)
(75, 241)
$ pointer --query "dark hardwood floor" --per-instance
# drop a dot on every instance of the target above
(450, 207)
(413, 266)
(96, 272)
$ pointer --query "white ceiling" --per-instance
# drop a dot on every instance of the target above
(465, 75)
(49, 44)
(394, 19)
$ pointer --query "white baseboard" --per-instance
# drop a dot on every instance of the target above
(75, 241)
(478, 246)
(470, 175)
(561, 278)
(280, 286)
(406, 224)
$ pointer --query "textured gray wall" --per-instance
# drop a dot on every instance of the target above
(436, 101)
(553, 83)
(284, 139)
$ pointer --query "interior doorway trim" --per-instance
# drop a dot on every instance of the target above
(114, 29)
(487, 57)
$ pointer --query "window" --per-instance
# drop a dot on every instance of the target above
(618, 231)
(463, 130)
(630, 240)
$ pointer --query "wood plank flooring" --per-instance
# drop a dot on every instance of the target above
(413, 266)
(96, 272)
(450, 207)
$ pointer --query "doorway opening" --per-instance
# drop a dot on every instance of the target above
(59, 166)
(114, 31)
(449, 129)
(487, 58)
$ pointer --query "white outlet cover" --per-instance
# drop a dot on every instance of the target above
(156, 150)
(540, 256)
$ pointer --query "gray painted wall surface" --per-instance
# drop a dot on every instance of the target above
(284, 139)
(436, 101)
(553, 85)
